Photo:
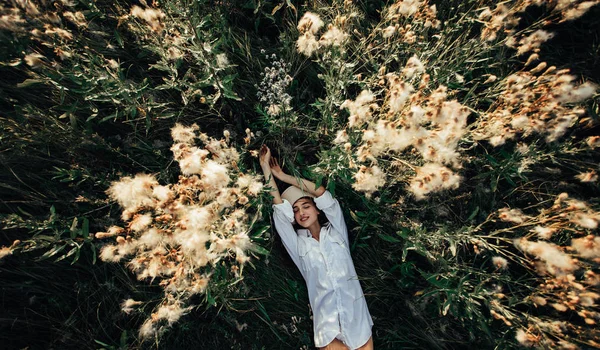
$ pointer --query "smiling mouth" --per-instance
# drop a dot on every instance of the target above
(303, 219)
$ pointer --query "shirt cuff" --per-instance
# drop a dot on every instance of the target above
(325, 200)
(284, 209)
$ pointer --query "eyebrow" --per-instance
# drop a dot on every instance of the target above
(299, 204)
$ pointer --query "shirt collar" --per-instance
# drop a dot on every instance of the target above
(306, 233)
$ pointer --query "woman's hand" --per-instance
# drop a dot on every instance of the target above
(264, 157)
(275, 168)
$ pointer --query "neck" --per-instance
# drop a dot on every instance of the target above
(315, 230)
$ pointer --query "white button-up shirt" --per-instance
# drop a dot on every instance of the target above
(336, 298)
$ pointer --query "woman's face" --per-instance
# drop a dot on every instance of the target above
(305, 212)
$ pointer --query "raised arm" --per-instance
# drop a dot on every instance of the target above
(265, 157)
(301, 183)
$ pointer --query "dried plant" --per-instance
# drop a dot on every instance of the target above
(178, 233)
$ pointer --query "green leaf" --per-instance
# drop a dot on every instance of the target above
(85, 228)
(260, 250)
(473, 214)
(123, 340)
(57, 249)
(93, 248)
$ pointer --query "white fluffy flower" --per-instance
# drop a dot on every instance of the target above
(184, 134)
(333, 36)
(307, 44)
(310, 23)
(368, 179)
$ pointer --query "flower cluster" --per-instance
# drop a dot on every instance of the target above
(151, 16)
(505, 19)
(177, 232)
(310, 25)
(418, 11)
(570, 283)
(428, 123)
(273, 86)
(532, 103)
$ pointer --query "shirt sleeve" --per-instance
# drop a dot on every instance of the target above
(283, 217)
(331, 207)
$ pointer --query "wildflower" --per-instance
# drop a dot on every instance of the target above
(127, 305)
(500, 262)
(111, 232)
(310, 23)
(183, 134)
(152, 17)
(109, 253)
(543, 232)
(170, 312)
(578, 94)
(559, 307)
(341, 137)
(254, 188)
(360, 109)
(78, 18)
(274, 110)
(333, 37)
(140, 222)
(557, 262)
(61, 33)
(512, 215)
(307, 44)
(272, 89)
(412, 67)
(11, 22)
(533, 41)
(5, 251)
(388, 31)
(193, 162)
(113, 64)
(174, 53)
(34, 60)
(369, 179)
(151, 238)
(399, 92)
(576, 12)
(407, 8)
(584, 220)
(63, 55)
(215, 175)
(162, 193)
(593, 141)
(222, 61)
(432, 177)
(147, 329)
(133, 192)
(540, 67)
(587, 247)
(590, 176)
(537, 300)
(532, 58)
(525, 339)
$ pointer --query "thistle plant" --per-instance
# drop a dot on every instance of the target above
(180, 233)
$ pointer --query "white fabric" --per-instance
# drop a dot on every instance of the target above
(336, 298)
